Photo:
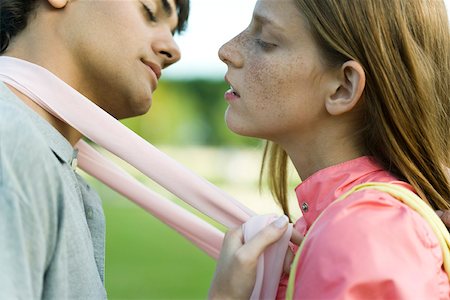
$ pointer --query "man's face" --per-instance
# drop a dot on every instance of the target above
(118, 48)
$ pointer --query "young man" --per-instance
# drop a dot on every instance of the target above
(112, 52)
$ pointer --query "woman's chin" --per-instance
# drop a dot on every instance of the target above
(241, 127)
(240, 130)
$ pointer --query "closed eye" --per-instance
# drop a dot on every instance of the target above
(265, 45)
(150, 13)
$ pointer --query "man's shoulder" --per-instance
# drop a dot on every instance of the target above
(20, 139)
(16, 125)
(24, 152)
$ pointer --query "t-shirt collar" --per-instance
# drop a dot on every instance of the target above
(55, 140)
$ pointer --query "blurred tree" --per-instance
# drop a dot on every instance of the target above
(188, 113)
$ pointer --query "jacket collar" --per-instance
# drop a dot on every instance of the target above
(323, 187)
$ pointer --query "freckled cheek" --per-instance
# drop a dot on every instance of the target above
(263, 83)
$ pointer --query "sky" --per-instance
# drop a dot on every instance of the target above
(211, 24)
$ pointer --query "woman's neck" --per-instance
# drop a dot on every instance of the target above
(310, 155)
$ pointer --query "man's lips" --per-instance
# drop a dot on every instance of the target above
(154, 67)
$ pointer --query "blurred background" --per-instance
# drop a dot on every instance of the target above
(145, 259)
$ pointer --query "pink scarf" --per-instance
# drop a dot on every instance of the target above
(65, 103)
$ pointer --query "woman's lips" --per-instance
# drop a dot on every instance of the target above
(231, 94)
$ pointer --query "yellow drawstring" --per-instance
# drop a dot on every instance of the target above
(407, 197)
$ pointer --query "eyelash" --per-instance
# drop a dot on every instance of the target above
(150, 13)
(265, 45)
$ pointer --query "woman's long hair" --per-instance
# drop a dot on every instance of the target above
(404, 48)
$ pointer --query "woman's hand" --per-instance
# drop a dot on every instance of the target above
(236, 269)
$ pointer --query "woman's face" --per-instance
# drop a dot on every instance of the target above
(276, 73)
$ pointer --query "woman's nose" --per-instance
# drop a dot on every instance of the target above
(230, 55)
(223, 53)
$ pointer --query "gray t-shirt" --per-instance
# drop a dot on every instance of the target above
(52, 229)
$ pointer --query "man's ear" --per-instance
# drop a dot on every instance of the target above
(58, 3)
(350, 87)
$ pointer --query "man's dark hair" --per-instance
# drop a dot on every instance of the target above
(183, 14)
(14, 16)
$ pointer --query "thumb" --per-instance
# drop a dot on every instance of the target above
(266, 237)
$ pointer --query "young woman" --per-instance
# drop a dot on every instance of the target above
(350, 92)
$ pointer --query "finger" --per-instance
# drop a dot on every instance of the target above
(266, 237)
(296, 237)
(233, 240)
(288, 261)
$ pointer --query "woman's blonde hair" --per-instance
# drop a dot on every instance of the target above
(404, 48)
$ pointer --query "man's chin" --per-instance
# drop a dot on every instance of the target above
(141, 107)
(132, 111)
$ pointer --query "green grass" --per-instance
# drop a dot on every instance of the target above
(145, 259)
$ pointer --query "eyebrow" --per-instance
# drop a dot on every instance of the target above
(169, 11)
(265, 20)
(167, 8)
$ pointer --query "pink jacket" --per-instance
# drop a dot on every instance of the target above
(369, 246)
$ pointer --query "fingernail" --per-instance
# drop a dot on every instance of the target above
(281, 222)
(440, 213)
